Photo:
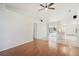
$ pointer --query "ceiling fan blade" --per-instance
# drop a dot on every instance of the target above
(42, 5)
(51, 8)
(50, 4)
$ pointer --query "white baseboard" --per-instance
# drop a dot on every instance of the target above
(16, 45)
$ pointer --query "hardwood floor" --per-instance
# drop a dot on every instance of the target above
(41, 48)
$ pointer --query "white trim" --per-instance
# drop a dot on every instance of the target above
(16, 45)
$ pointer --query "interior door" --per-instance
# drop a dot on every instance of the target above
(40, 31)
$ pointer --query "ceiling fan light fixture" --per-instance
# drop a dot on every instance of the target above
(46, 9)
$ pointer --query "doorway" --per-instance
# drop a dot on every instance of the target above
(40, 31)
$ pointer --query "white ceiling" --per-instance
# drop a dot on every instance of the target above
(61, 11)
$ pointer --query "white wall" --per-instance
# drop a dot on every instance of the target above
(15, 29)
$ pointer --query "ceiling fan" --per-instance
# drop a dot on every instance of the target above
(46, 7)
